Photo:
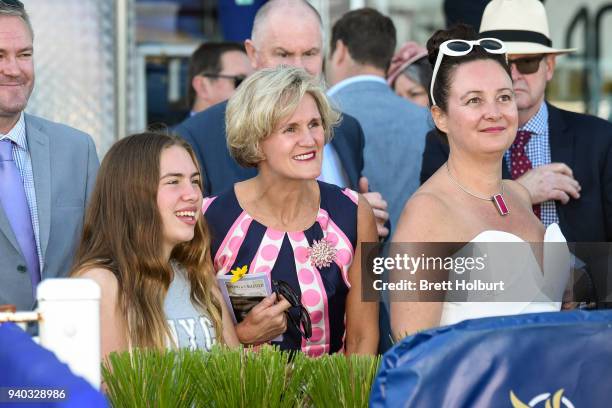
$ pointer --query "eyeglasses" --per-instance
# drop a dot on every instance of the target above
(457, 48)
(12, 3)
(285, 290)
(236, 78)
(527, 65)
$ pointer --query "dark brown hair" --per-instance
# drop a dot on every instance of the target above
(449, 64)
(368, 35)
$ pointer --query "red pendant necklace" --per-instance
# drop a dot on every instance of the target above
(498, 199)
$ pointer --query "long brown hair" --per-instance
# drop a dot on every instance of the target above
(122, 232)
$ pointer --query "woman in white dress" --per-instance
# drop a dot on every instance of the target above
(466, 200)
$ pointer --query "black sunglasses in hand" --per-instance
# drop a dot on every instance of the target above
(282, 288)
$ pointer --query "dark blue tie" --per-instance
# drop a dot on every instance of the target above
(15, 204)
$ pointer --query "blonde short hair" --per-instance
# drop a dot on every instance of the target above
(262, 101)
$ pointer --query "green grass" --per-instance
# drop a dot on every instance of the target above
(339, 381)
(237, 378)
(149, 378)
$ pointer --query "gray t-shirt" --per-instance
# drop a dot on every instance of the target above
(190, 327)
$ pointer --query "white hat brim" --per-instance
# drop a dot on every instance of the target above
(515, 47)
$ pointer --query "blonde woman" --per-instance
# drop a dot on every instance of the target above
(291, 227)
(147, 246)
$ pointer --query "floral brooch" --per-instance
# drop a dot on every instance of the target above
(321, 253)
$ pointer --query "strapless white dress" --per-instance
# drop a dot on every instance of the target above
(520, 273)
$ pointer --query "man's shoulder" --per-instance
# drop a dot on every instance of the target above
(348, 121)
(350, 129)
(379, 99)
(213, 115)
(582, 121)
(355, 89)
(59, 131)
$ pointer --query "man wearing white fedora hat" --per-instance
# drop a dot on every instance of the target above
(563, 158)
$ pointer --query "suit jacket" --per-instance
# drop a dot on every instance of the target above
(584, 143)
(205, 131)
(394, 131)
(64, 164)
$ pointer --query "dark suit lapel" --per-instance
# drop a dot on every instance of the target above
(561, 142)
(340, 144)
(38, 143)
(505, 172)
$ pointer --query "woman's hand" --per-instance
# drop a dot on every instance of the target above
(379, 206)
(264, 322)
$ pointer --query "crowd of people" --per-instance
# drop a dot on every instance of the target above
(275, 172)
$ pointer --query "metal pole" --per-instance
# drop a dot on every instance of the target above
(121, 71)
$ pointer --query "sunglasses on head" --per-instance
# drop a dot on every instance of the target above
(527, 65)
(304, 326)
(236, 78)
(457, 48)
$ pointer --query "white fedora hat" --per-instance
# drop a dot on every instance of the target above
(521, 24)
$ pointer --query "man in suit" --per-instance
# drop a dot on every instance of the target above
(362, 46)
(568, 166)
(47, 171)
(215, 71)
(284, 32)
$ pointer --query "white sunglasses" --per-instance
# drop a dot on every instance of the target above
(457, 48)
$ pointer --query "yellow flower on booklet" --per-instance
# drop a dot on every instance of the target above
(238, 273)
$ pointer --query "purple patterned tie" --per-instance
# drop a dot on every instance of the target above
(15, 204)
(520, 163)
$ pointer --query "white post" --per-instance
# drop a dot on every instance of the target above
(70, 324)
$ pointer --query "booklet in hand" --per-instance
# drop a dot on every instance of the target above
(242, 291)
(242, 294)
